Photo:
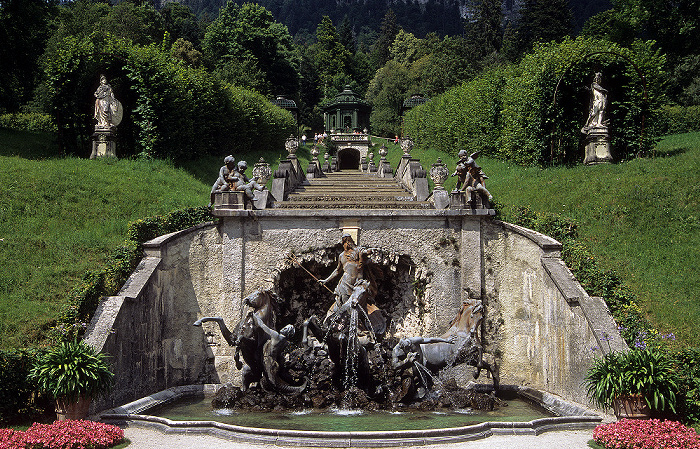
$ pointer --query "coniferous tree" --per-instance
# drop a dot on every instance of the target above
(484, 31)
(543, 21)
(381, 50)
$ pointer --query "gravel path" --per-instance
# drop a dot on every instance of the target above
(142, 438)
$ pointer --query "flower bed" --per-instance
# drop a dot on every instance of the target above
(646, 434)
(68, 434)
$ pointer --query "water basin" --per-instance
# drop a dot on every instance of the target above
(188, 409)
(200, 409)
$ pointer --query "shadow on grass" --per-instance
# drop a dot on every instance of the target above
(28, 145)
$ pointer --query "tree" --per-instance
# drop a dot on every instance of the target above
(484, 31)
(180, 22)
(386, 93)
(248, 36)
(544, 21)
(331, 59)
(24, 29)
(387, 33)
(346, 35)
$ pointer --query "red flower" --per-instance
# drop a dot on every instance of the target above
(63, 435)
(646, 434)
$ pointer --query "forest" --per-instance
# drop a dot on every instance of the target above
(204, 58)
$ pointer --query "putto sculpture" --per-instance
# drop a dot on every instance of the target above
(232, 178)
(470, 178)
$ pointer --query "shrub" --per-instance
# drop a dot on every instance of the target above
(687, 368)
(647, 372)
(172, 111)
(511, 112)
(17, 399)
(675, 119)
(646, 434)
(120, 264)
(69, 434)
(72, 370)
(28, 122)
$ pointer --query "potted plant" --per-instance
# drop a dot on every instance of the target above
(74, 373)
(635, 383)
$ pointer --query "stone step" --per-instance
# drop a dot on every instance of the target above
(364, 196)
(352, 205)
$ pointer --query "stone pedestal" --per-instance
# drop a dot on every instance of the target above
(232, 199)
(597, 146)
(104, 143)
(441, 199)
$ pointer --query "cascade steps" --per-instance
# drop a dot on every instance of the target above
(352, 190)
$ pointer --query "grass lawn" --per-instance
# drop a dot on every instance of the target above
(60, 217)
(640, 218)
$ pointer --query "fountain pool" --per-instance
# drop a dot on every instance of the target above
(188, 409)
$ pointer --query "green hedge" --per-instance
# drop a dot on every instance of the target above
(511, 112)
(171, 110)
(35, 122)
(678, 119)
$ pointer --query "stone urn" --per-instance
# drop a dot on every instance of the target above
(291, 145)
(406, 146)
(262, 172)
(439, 174)
(631, 406)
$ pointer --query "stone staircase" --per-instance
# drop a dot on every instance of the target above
(351, 190)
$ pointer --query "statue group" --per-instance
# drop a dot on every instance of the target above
(347, 353)
(232, 177)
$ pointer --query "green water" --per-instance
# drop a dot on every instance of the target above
(200, 409)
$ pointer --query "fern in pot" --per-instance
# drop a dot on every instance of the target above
(634, 383)
(73, 373)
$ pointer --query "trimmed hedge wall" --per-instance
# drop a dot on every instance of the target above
(512, 113)
(171, 110)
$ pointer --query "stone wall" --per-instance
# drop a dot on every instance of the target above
(430, 261)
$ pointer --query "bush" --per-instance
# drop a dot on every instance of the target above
(687, 368)
(678, 119)
(69, 434)
(120, 264)
(646, 434)
(17, 399)
(28, 122)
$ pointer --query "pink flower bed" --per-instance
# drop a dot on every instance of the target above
(63, 435)
(646, 434)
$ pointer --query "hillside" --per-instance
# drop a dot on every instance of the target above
(640, 218)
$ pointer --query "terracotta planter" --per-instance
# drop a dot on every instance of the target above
(631, 406)
(72, 409)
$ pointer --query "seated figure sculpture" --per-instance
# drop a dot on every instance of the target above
(470, 177)
(245, 184)
(227, 178)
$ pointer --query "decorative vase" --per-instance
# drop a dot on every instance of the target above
(71, 409)
(632, 406)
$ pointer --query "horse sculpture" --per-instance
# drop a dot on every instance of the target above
(426, 356)
(249, 338)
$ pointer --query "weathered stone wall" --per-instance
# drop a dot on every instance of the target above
(538, 330)
(544, 325)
